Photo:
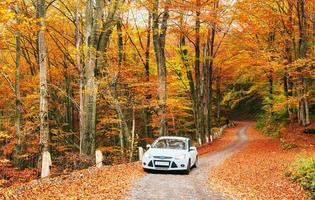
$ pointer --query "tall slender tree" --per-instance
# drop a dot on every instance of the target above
(302, 87)
(159, 39)
(42, 62)
(18, 105)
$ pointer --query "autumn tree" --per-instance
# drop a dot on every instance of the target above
(159, 39)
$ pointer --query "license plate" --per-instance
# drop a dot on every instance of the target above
(161, 168)
(161, 163)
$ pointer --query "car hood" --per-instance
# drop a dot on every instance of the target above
(166, 152)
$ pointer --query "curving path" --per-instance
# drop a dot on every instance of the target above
(193, 186)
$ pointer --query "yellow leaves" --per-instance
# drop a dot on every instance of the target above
(4, 135)
(6, 15)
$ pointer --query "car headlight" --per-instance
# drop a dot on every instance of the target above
(180, 157)
(147, 155)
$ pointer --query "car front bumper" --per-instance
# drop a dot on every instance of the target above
(164, 165)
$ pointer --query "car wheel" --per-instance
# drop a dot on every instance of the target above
(196, 162)
(188, 167)
(146, 170)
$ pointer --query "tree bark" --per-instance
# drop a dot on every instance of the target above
(199, 107)
(159, 36)
(132, 134)
(123, 124)
(218, 92)
(42, 61)
(90, 83)
(77, 36)
(68, 100)
(184, 56)
(205, 89)
(147, 113)
(210, 71)
(18, 104)
(303, 110)
(270, 87)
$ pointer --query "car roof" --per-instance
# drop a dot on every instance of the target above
(173, 137)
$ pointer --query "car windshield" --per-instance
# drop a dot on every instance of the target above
(170, 144)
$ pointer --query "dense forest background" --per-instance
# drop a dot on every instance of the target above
(76, 76)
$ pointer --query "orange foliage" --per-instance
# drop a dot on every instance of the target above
(106, 183)
(258, 171)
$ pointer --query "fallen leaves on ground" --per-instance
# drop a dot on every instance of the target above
(110, 182)
(225, 139)
(293, 134)
(258, 171)
(9, 175)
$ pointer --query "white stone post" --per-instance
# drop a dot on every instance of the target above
(46, 164)
(199, 141)
(221, 131)
(99, 158)
(140, 150)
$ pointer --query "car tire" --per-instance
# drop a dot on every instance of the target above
(187, 171)
(196, 162)
(146, 170)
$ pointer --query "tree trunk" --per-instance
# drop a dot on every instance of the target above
(120, 58)
(121, 140)
(90, 84)
(218, 92)
(18, 101)
(199, 107)
(42, 60)
(42, 56)
(147, 113)
(159, 36)
(286, 93)
(132, 134)
(77, 37)
(125, 133)
(68, 101)
(189, 75)
(205, 89)
(303, 110)
(210, 71)
(270, 86)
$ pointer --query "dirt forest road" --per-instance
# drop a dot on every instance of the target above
(193, 186)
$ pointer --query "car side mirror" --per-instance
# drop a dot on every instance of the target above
(192, 149)
(148, 146)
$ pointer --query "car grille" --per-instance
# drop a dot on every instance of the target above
(165, 165)
(173, 165)
(162, 157)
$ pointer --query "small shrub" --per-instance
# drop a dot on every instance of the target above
(286, 145)
(73, 161)
(215, 130)
(302, 171)
(269, 125)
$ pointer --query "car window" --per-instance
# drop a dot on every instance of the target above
(170, 144)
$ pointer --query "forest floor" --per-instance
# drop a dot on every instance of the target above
(258, 170)
(109, 182)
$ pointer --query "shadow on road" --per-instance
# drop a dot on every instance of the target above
(175, 172)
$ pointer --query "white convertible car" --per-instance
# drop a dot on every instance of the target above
(170, 153)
